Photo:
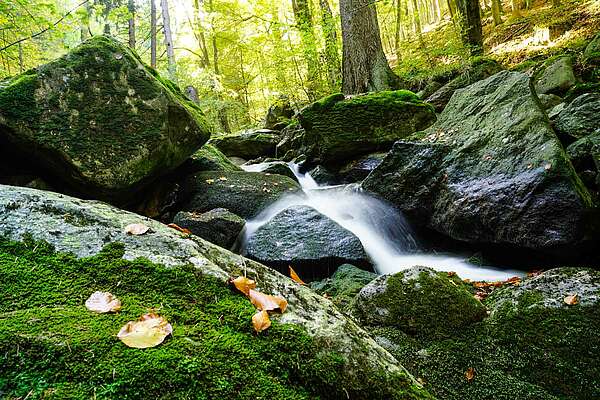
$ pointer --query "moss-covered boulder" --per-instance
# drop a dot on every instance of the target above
(243, 193)
(579, 118)
(344, 284)
(98, 122)
(585, 156)
(272, 167)
(555, 76)
(309, 241)
(247, 144)
(54, 348)
(419, 302)
(490, 170)
(338, 128)
(279, 114)
(218, 226)
(209, 158)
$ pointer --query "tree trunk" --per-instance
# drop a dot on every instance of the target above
(131, 7)
(304, 24)
(365, 67)
(152, 34)
(470, 25)
(199, 33)
(516, 11)
(438, 11)
(399, 32)
(332, 55)
(21, 64)
(169, 40)
(416, 17)
(496, 12)
(107, 9)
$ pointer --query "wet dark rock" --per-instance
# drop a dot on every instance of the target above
(279, 114)
(556, 76)
(344, 284)
(357, 170)
(581, 117)
(218, 226)
(247, 144)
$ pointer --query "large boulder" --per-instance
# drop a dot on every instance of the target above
(98, 122)
(218, 226)
(419, 302)
(209, 158)
(556, 76)
(307, 240)
(279, 114)
(581, 117)
(52, 345)
(272, 167)
(248, 144)
(480, 68)
(585, 156)
(338, 129)
(344, 284)
(490, 170)
(357, 170)
(243, 193)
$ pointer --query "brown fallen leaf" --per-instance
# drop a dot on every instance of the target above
(515, 280)
(451, 273)
(243, 284)
(136, 229)
(295, 276)
(261, 321)
(470, 374)
(265, 302)
(480, 295)
(571, 300)
(103, 302)
(149, 331)
(180, 229)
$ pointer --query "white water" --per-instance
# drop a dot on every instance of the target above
(385, 235)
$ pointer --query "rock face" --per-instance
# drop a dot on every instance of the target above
(98, 121)
(357, 170)
(581, 117)
(218, 226)
(209, 158)
(344, 284)
(556, 77)
(243, 193)
(479, 70)
(311, 243)
(338, 129)
(490, 170)
(362, 370)
(279, 114)
(272, 167)
(248, 144)
(585, 156)
(419, 302)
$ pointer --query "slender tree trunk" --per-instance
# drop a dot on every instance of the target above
(169, 40)
(451, 9)
(399, 32)
(496, 12)
(107, 10)
(304, 24)
(131, 7)
(438, 11)
(516, 11)
(215, 49)
(332, 56)
(21, 64)
(417, 17)
(365, 67)
(470, 25)
(199, 33)
(152, 34)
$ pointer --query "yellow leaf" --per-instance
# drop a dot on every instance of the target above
(571, 300)
(180, 229)
(470, 374)
(265, 302)
(222, 178)
(136, 229)
(243, 284)
(210, 181)
(149, 331)
(295, 276)
(548, 166)
(261, 321)
(103, 302)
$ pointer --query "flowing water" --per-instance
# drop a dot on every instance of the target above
(384, 232)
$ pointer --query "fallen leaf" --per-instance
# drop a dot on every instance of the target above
(243, 284)
(548, 166)
(103, 302)
(480, 295)
(571, 300)
(265, 302)
(534, 272)
(451, 273)
(149, 331)
(210, 181)
(295, 276)
(222, 178)
(515, 280)
(421, 381)
(261, 321)
(136, 229)
(470, 374)
(180, 229)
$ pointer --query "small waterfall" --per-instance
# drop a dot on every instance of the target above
(384, 232)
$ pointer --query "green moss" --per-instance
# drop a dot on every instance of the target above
(54, 348)
(209, 158)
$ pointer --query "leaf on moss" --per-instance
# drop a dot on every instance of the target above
(180, 229)
(136, 229)
(265, 302)
(261, 321)
(470, 374)
(149, 331)
(295, 276)
(243, 284)
(210, 181)
(571, 300)
(103, 302)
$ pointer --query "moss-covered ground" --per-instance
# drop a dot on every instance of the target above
(52, 347)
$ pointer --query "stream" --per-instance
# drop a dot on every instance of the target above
(385, 234)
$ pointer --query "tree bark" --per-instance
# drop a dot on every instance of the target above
(199, 33)
(416, 17)
(470, 25)
(496, 12)
(365, 67)
(399, 31)
(169, 40)
(152, 34)
(332, 56)
(131, 7)
(303, 18)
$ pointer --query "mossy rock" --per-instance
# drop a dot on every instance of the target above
(99, 122)
(218, 226)
(419, 302)
(272, 167)
(248, 144)
(209, 158)
(338, 128)
(243, 193)
(556, 76)
(344, 284)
